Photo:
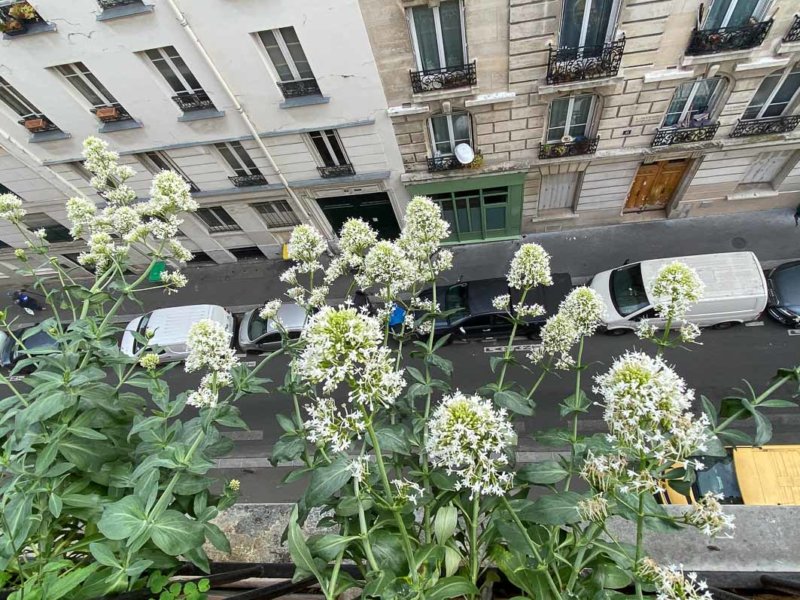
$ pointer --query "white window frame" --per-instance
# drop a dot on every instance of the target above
(287, 56)
(187, 87)
(77, 73)
(222, 226)
(437, 23)
(326, 141)
(22, 100)
(146, 159)
(278, 207)
(568, 124)
(712, 101)
(790, 104)
(247, 170)
(758, 11)
(612, 21)
(450, 133)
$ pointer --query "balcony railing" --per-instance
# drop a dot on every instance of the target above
(299, 88)
(683, 135)
(38, 124)
(198, 100)
(121, 113)
(450, 163)
(745, 127)
(724, 39)
(248, 180)
(573, 148)
(793, 35)
(115, 3)
(584, 62)
(223, 227)
(447, 78)
(336, 171)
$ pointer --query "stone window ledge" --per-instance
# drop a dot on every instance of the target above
(125, 10)
(33, 29)
(496, 98)
(716, 57)
(762, 63)
(304, 101)
(460, 92)
(119, 126)
(200, 115)
(668, 75)
(753, 194)
(787, 47)
(588, 84)
(404, 111)
(48, 136)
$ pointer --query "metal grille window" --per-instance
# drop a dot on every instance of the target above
(87, 84)
(161, 161)
(475, 214)
(775, 94)
(217, 219)
(569, 117)
(190, 94)
(286, 54)
(438, 35)
(733, 13)
(692, 103)
(245, 171)
(16, 101)
(277, 213)
(54, 231)
(448, 131)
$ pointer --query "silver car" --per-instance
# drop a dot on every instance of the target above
(257, 334)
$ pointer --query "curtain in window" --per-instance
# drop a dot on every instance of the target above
(740, 15)
(425, 30)
(453, 43)
(558, 119)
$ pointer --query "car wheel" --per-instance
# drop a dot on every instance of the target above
(724, 325)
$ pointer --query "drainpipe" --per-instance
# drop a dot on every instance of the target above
(239, 108)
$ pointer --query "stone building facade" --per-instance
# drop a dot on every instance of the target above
(591, 112)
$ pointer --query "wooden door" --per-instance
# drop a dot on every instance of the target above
(655, 184)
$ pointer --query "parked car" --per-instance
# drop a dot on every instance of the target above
(257, 334)
(735, 291)
(11, 351)
(474, 315)
(769, 475)
(171, 329)
(783, 284)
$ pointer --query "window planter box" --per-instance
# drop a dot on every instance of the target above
(36, 124)
(576, 147)
(248, 180)
(336, 171)
(107, 113)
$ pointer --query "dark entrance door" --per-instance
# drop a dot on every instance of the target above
(376, 209)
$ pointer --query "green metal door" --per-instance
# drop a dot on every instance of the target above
(375, 209)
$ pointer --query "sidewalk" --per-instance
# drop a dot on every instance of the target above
(772, 235)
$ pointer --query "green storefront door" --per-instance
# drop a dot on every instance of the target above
(375, 209)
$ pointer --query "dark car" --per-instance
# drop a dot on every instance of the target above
(11, 352)
(474, 315)
(783, 287)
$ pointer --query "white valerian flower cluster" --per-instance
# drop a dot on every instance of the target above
(603, 471)
(329, 426)
(585, 308)
(675, 288)
(593, 509)
(471, 438)
(501, 302)
(11, 208)
(387, 269)
(529, 267)
(173, 280)
(209, 347)
(306, 245)
(149, 361)
(646, 329)
(355, 240)
(647, 409)
(359, 468)
(270, 310)
(424, 230)
(529, 311)
(707, 515)
(407, 491)
(672, 583)
(689, 332)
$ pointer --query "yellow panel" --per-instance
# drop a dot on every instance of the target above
(769, 475)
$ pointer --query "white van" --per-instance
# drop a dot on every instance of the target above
(171, 328)
(735, 291)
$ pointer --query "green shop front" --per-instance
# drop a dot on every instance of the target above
(479, 208)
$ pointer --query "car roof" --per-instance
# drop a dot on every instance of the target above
(171, 325)
(293, 317)
(786, 280)
(481, 292)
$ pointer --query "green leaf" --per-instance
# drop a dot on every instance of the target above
(709, 410)
(123, 519)
(452, 560)
(555, 509)
(763, 429)
(451, 587)
(445, 365)
(417, 375)
(17, 517)
(174, 533)
(393, 438)
(514, 401)
(65, 583)
(55, 505)
(301, 555)
(45, 407)
(286, 423)
(102, 553)
(572, 404)
(326, 481)
(388, 551)
(734, 437)
(429, 553)
(444, 523)
(147, 489)
(86, 433)
(777, 403)
(217, 538)
(46, 457)
(328, 546)
(547, 472)
(288, 448)
(610, 576)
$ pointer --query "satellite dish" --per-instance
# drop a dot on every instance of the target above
(464, 154)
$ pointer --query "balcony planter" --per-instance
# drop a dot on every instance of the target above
(576, 146)
(107, 113)
(35, 125)
(14, 27)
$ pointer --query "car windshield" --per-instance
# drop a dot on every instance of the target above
(36, 342)
(719, 477)
(257, 327)
(141, 329)
(627, 290)
(456, 299)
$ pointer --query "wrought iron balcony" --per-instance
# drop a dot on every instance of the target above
(683, 135)
(793, 35)
(584, 62)
(724, 39)
(120, 115)
(336, 171)
(38, 124)
(433, 80)
(745, 127)
(573, 148)
(189, 102)
(248, 180)
(115, 3)
(299, 88)
(450, 163)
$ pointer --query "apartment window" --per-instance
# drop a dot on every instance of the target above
(477, 214)
(217, 219)
(764, 170)
(448, 131)
(438, 35)
(54, 231)
(104, 105)
(775, 94)
(277, 213)
(330, 154)
(290, 62)
(190, 94)
(692, 103)
(5, 190)
(161, 161)
(733, 13)
(16, 101)
(569, 117)
(245, 171)
(587, 23)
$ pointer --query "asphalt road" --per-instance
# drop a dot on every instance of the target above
(713, 369)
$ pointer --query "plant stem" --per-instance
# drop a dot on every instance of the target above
(362, 524)
(507, 353)
(423, 455)
(740, 411)
(665, 338)
(639, 535)
(574, 437)
(474, 549)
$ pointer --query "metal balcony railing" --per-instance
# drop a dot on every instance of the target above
(683, 135)
(115, 3)
(725, 39)
(573, 148)
(44, 124)
(432, 80)
(299, 88)
(765, 126)
(336, 171)
(451, 163)
(197, 100)
(793, 35)
(248, 180)
(584, 62)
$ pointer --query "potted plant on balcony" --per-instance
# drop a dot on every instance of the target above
(35, 124)
(13, 27)
(107, 113)
(23, 12)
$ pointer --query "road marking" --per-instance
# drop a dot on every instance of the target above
(793, 331)
(16, 378)
(249, 363)
(754, 324)
(514, 348)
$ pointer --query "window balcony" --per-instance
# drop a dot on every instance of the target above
(299, 88)
(336, 171)
(434, 80)
(726, 39)
(38, 124)
(223, 227)
(576, 147)
(189, 102)
(21, 18)
(668, 136)
(793, 35)
(451, 163)
(765, 126)
(115, 9)
(248, 180)
(584, 62)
